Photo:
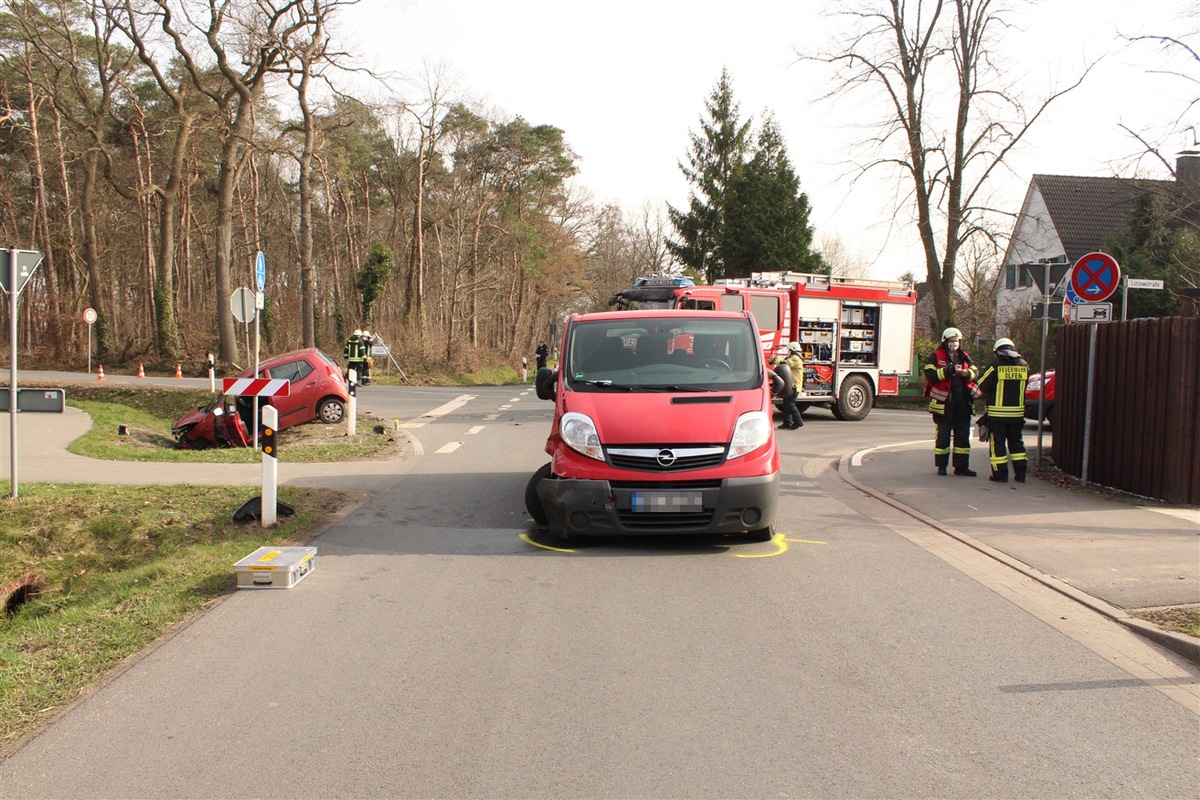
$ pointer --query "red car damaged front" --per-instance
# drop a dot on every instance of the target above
(662, 424)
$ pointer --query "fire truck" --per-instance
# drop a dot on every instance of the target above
(855, 334)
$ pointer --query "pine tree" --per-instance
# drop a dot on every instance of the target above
(717, 152)
(766, 215)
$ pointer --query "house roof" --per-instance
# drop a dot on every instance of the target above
(1086, 210)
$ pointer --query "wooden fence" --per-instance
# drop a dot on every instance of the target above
(1145, 410)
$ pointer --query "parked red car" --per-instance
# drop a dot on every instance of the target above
(318, 391)
(1033, 393)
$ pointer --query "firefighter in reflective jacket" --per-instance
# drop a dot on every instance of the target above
(1003, 388)
(950, 387)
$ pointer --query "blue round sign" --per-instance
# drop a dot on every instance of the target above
(260, 271)
(1095, 277)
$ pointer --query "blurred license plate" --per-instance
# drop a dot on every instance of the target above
(652, 502)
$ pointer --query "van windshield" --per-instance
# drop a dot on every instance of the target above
(698, 354)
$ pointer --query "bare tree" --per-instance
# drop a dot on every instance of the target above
(909, 53)
(841, 262)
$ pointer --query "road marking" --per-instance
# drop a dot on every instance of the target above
(780, 542)
(515, 400)
(448, 448)
(476, 429)
(440, 411)
(856, 459)
(490, 417)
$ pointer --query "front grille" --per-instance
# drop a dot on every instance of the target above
(668, 458)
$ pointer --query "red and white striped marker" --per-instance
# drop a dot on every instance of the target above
(257, 387)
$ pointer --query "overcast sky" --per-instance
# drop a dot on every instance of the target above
(626, 80)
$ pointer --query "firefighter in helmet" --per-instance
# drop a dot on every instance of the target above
(355, 354)
(1003, 388)
(950, 386)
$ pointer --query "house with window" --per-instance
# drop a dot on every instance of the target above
(1063, 218)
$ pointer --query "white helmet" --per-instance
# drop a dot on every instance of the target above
(794, 347)
(951, 333)
(357, 332)
(1004, 341)
(366, 334)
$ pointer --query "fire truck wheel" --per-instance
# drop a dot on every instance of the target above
(533, 503)
(854, 400)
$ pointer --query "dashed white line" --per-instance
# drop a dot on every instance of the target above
(449, 447)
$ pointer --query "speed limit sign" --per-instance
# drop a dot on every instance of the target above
(89, 315)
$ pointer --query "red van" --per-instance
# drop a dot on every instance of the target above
(662, 424)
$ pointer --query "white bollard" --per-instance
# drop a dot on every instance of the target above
(270, 468)
(212, 373)
(352, 406)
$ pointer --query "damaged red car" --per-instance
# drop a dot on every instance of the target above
(317, 391)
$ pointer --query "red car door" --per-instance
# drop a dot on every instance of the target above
(300, 404)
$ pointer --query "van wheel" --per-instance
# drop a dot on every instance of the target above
(761, 534)
(533, 503)
(855, 399)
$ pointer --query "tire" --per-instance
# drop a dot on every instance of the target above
(761, 534)
(533, 503)
(331, 411)
(855, 399)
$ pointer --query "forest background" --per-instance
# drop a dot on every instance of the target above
(151, 148)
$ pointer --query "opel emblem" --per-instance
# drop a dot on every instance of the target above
(666, 458)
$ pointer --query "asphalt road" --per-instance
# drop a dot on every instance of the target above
(439, 650)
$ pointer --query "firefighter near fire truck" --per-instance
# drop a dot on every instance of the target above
(950, 387)
(1003, 387)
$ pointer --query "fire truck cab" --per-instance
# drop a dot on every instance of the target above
(855, 334)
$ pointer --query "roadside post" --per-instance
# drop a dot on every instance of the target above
(89, 316)
(524, 369)
(1049, 289)
(244, 304)
(1094, 278)
(260, 281)
(212, 373)
(352, 406)
(270, 466)
(16, 268)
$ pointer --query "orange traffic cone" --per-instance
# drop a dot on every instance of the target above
(178, 370)
(100, 377)
(141, 372)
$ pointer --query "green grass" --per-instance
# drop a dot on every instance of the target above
(147, 413)
(114, 568)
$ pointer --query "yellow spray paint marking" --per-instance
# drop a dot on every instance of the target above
(781, 546)
(780, 542)
(525, 537)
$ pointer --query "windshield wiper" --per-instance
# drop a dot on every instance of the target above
(678, 388)
(606, 384)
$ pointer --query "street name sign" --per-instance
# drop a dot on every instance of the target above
(1143, 283)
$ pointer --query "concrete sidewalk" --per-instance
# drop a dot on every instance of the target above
(1110, 552)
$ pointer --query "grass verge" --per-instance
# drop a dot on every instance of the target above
(147, 413)
(91, 574)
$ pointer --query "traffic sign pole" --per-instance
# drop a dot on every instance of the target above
(12, 370)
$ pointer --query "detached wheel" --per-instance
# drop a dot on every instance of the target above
(855, 399)
(331, 411)
(533, 503)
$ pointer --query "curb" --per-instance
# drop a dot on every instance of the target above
(1183, 645)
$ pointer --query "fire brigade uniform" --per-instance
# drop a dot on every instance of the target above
(356, 354)
(950, 401)
(1003, 388)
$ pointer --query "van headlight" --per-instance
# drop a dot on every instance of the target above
(579, 432)
(752, 431)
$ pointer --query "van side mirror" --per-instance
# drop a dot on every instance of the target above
(546, 383)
